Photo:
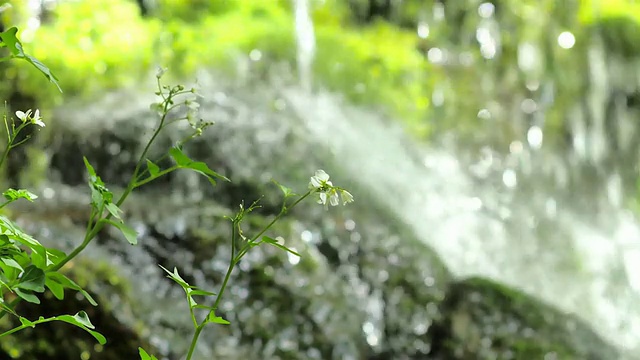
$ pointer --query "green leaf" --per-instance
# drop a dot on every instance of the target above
(153, 168)
(55, 287)
(26, 322)
(114, 210)
(212, 318)
(27, 296)
(12, 195)
(274, 242)
(184, 161)
(145, 356)
(129, 233)
(33, 279)
(12, 263)
(81, 320)
(176, 277)
(70, 284)
(198, 292)
(44, 70)
(13, 44)
(11, 40)
(285, 190)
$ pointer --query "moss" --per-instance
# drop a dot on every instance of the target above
(485, 319)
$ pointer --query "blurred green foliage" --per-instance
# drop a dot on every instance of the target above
(116, 47)
(371, 55)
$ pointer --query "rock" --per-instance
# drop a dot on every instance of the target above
(486, 320)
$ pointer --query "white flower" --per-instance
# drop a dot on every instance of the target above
(346, 197)
(23, 116)
(26, 116)
(334, 199)
(320, 180)
(160, 72)
(192, 111)
(36, 119)
(329, 197)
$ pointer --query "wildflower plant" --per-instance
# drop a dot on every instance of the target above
(28, 268)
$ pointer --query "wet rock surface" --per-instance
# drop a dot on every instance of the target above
(365, 287)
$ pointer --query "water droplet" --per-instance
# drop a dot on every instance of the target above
(535, 136)
(509, 178)
(350, 225)
(255, 55)
(48, 193)
(528, 106)
(293, 259)
(566, 40)
(423, 30)
(484, 114)
(306, 236)
(486, 10)
(435, 55)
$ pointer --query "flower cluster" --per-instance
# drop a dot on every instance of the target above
(27, 117)
(327, 192)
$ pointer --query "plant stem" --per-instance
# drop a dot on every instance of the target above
(194, 340)
(279, 216)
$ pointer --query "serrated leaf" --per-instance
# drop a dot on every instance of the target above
(13, 194)
(176, 277)
(184, 161)
(285, 190)
(27, 296)
(212, 318)
(114, 210)
(32, 279)
(145, 356)
(130, 234)
(198, 292)
(153, 168)
(81, 320)
(274, 242)
(93, 177)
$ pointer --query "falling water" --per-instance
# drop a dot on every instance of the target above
(502, 216)
(305, 42)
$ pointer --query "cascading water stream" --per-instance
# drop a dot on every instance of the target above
(499, 216)
(305, 42)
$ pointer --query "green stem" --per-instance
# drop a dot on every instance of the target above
(36, 322)
(194, 340)
(132, 184)
(279, 216)
(151, 178)
(234, 260)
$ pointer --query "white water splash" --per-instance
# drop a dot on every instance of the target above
(305, 43)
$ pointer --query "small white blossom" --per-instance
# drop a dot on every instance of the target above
(320, 180)
(160, 72)
(192, 111)
(346, 197)
(36, 119)
(26, 116)
(326, 192)
(22, 115)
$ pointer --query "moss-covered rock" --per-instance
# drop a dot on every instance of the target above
(486, 320)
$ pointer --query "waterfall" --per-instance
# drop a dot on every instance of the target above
(305, 43)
